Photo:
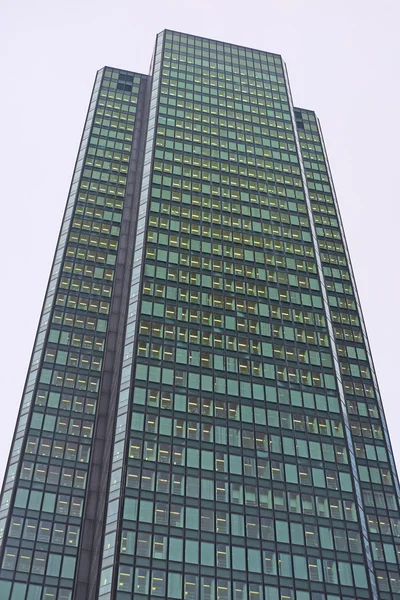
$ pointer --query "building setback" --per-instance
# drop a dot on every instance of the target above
(201, 418)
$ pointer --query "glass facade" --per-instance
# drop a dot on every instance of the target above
(44, 493)
(203, 305)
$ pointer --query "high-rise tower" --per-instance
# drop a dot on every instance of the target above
(201, 418)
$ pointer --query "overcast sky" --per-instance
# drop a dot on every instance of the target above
(343, 62)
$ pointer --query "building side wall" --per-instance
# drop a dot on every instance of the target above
(49, 476)
(373, 458)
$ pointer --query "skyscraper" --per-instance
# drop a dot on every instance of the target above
(201, 418)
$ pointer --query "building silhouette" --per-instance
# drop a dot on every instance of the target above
(201, 418)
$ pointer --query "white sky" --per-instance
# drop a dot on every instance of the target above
(343, 62)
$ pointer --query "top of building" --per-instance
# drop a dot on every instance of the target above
(220, 45)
